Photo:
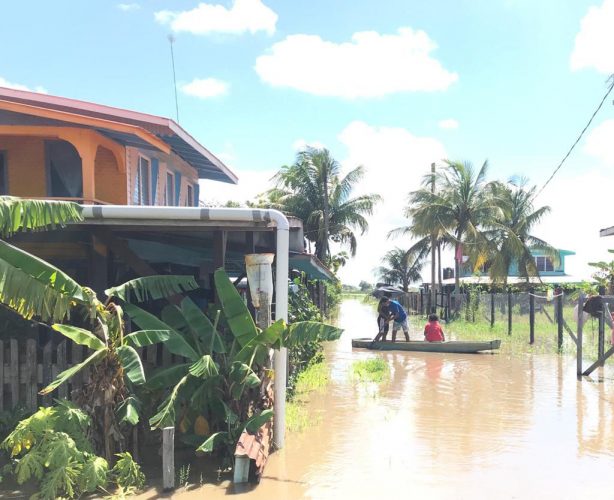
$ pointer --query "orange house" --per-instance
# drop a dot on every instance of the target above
(58, 148)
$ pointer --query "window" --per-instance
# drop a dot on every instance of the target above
(189, 202)
(544, 264)
(4, 188)
(169, 193)
(142, 183)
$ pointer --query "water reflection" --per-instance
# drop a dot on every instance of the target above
(447, 426)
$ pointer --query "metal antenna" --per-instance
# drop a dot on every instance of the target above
(171, 40)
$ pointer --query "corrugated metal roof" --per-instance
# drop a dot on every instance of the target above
(180, 141)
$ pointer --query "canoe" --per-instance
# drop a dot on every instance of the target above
(453, 346)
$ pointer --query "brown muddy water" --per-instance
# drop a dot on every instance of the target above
(445, 426)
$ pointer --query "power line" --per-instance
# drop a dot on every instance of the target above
(610, 87)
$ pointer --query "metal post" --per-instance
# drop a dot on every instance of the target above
(559, 319)
(492, 307)
(531, 316)
(509, 312)
(579, 337)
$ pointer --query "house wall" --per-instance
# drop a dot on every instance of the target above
(166, 164)
(109, 179)
(25, 162)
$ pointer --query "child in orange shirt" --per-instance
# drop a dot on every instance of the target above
(433, 331)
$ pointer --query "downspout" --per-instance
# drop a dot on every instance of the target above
(281, 270)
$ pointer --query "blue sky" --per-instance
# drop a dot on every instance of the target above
(516, 80)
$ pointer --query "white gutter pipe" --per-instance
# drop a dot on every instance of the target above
(281, 269)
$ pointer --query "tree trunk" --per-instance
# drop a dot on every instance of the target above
(326, 214)
(433, 243)
(456, 277)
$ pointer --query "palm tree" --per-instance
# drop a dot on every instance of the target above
(313, 189)
(400, 266)
(460, 208)
(510, 238)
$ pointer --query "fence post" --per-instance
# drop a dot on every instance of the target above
(559, 319)
(579, 337)
(421, 302)
(168, 458)
(492, 307)
(600, 347)
(449, 302)
(531, 316)
(509, 312)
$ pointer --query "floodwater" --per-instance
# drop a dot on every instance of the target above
(445, 426)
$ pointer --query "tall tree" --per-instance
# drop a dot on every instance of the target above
(511, 239)
(313, 189)
(400, 267)
(461, 206)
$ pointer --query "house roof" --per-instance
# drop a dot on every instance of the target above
(515, 280)
(608, 231)
(130, 128)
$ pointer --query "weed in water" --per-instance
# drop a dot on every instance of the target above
(314, 378)
(371, 370)
(184, 476)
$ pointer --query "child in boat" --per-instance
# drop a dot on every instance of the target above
(383, 320)
(433, 331)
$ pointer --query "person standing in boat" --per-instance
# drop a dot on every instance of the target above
(399, 316)
(433, 331)
(383, 319)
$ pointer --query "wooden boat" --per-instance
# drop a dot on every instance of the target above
(453, 346)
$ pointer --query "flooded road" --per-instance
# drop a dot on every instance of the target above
(446, 426)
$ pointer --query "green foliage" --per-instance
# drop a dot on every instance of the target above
(371, 370)
(51, 448)
(152, 288)
(401, 267)
(21, 215)
(127, 473)
(604, 274)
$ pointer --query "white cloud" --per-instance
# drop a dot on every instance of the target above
(19, 86)
(244, 16)
(370, 65)
(600, 142)
(449, 123)
(301, 145)
(395, 161)
(205, 88)
(594, 42)
(127, 7)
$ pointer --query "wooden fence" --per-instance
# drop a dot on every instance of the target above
(26, 368)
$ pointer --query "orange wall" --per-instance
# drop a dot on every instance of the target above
(110, 182)
(25, 158)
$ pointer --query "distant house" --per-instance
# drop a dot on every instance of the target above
(548, 271)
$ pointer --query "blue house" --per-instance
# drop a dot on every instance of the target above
(549, 272)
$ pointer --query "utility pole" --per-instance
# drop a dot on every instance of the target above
(433, 250)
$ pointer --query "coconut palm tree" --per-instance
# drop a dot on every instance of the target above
(313, 189)
(510, 237)
(400, 267)
(461, 207)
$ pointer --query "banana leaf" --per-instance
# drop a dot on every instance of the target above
(166, 411)
(17, 214)
(131, 362)
(212, 441)
(80, 336)
(144, 338)
(176, 344)
(204, 368)
(167, 377)
(199, 323)
(128, 411)
(33, 287)
(257, 421)
(67, 374)
(303, 332)
(257, 349)
(152, 288)
(237, 315)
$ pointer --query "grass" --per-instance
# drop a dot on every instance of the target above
(371, 370)
(314, 378)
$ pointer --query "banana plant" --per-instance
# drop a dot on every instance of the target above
(221, 369)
